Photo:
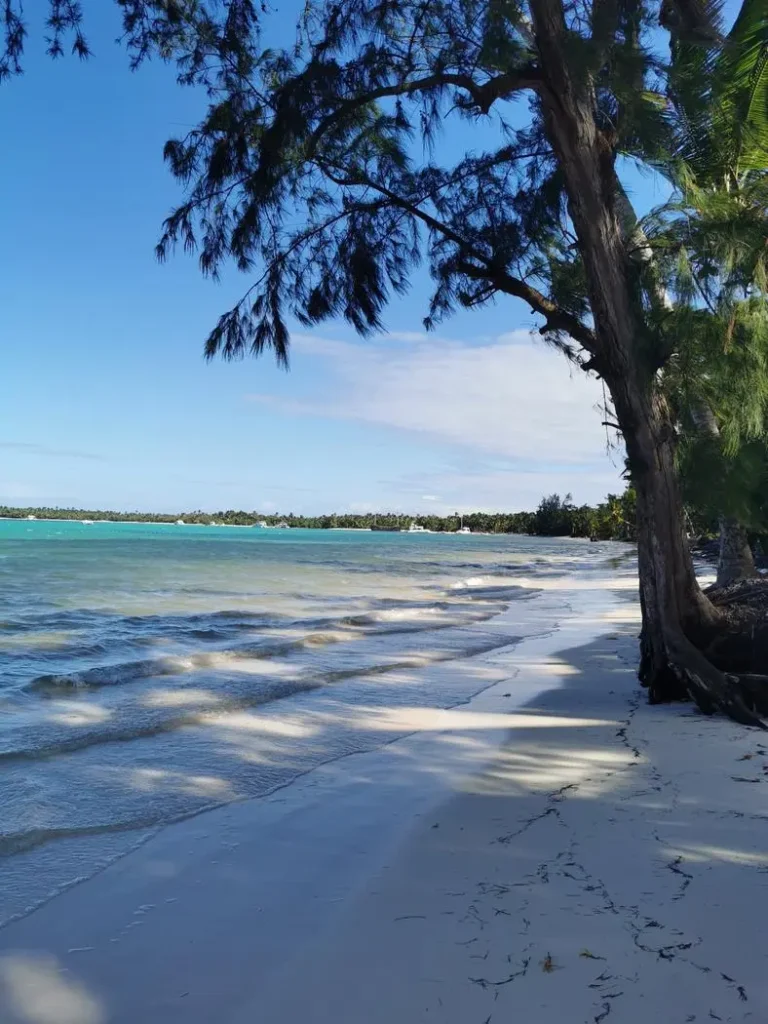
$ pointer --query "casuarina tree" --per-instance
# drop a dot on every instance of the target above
(320, 169)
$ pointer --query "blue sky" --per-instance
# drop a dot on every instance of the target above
(108, 403)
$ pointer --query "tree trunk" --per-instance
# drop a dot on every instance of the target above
(736, 561)
(678, 619)
(675, 611)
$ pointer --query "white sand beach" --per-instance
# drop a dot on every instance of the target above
(570, 855)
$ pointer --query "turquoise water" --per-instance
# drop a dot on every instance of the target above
(150, 671)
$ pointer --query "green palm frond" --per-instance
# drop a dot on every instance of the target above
(719, 90)
(741, 87)
(695, 44)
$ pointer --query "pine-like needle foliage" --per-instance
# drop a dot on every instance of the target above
(179, 30)
(316, 169)
(722, 366)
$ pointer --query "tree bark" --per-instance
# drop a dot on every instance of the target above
(678, 619)
(736, 561)
(676, 614)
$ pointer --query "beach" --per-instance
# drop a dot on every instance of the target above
(147, 676)
(564, 854)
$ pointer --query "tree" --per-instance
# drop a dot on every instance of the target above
(718, 382)
(554, 516)
(306, 171)
(715, 245)
(717, 484)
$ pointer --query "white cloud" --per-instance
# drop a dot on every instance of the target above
(510, 397)
(429, 497)
(410, 336)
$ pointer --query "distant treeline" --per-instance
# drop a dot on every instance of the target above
(614, 519)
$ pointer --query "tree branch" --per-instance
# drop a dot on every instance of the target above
(483, 95)
(557, 319)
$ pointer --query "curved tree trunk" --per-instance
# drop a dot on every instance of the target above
(736, 561)
(678, 619)
(676, 614)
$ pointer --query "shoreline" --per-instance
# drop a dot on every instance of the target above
(552, 850)
(348, 718)
(256, 526)
(352, 810)
(330, 722)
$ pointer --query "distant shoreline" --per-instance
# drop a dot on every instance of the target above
(114, 522)
(167, 522)
(613, 519)
(231, 526)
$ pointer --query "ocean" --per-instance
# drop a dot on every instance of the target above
(149, 672)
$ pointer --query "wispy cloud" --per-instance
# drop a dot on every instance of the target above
(413, 336)
(509, 397)
(27, 448)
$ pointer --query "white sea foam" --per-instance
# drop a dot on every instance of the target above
(179, 675)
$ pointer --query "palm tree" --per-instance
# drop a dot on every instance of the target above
(713, 236)
(718, 382)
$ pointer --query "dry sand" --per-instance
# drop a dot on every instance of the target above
(582, 858)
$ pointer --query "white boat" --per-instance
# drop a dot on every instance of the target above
(462, 528)
(416, 528)
(180, 522)
(87, 522)
(282, 526)
(31, 517)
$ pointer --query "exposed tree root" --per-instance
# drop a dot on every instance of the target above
(740, 644)
(748, 593)
(711, 689)
(722, 666)
(724, 669)
(753, 689)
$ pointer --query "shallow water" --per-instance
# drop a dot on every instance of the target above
(148, 672)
